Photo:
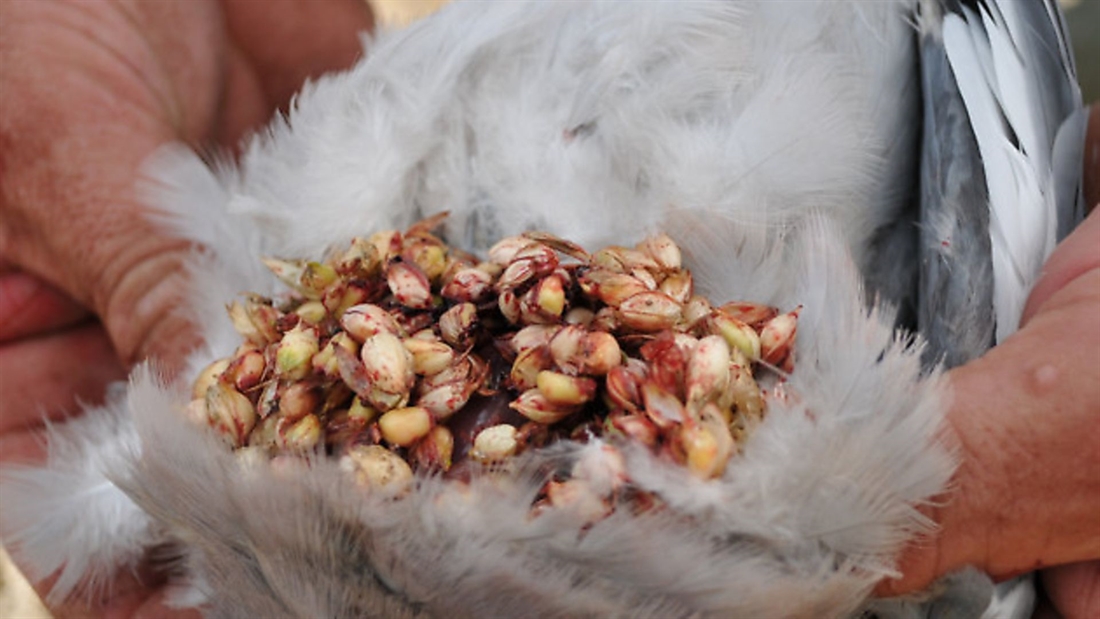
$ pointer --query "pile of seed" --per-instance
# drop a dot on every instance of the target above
(401, 354)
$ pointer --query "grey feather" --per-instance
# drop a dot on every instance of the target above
(955, 313)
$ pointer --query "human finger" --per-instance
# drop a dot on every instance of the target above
(30, 306)
(1074, 590)
(48, 376)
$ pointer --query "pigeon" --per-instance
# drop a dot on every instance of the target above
(898, 169)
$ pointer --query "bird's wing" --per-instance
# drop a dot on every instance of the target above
(1000, 176)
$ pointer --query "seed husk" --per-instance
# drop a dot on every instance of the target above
(533, 405)
(294, 354)
(410, 285)
(777, 339)
(367, 319)
(230, 413)
(429, 357)
(650, 312)
(388, 364)
(207, 377)
(457, 324)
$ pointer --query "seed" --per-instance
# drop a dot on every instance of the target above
(429, 357)
(468, 285)
(334, 395)
(460, 371)
(579, 316)
(624, 389)
(510, 306)
(294, 353)
(298, 400)
(361, 260)
(446, 399)
(341, 296)
(599, 352)
(387, 244)
(678, 285)
(494, 444)
(230, 413)
(578, 497)
(622, 259)
(289, 272)
(610, 287)
(696, 309)
(777, 339)
(532, 261)
(247, 368)
(325, 362)
(566, 346)
(436, 450)
(606, 319)
(568, 248)
(736, 333)
(533, 405)
(667, 363)
(457, 324)
(505, 250)
(385, 400)
(301, 435)
(316, 277)
(405, 426)
(207, 377)
(387, 363)
(307, 277)
(707, 445)
(663, 250)
(366, 319)
(374, 466)
(752, 314)
(312, 312)
(637, 427)
(526, 368)
(545, 302)
(650, 312)
(744, 393)
(409, 285)
(361, 412)
(255, 320)
(428, 255)
(708, 371)
(646, 277)
(532, 336)
(559, 389)
(663, 408)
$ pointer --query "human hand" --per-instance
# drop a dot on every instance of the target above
(87, 285)
(1027, 418)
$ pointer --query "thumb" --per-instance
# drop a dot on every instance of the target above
(68, 212)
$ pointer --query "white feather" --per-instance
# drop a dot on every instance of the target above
(1023, 218)
(67, 518)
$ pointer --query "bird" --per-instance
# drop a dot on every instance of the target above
(899, 169)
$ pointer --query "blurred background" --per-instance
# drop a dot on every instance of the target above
(18, 600)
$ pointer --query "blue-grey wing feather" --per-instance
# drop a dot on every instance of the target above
(955, 308)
